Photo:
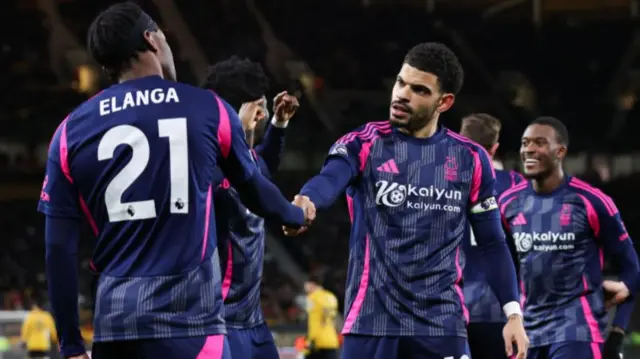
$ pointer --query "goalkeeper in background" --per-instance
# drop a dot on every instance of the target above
(322, 308)
(38, 331)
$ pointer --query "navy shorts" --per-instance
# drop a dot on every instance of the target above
(485, 340)
(252, 343)
(211, 347)
(418, 347)
(567, 350)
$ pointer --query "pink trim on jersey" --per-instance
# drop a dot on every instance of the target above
(87, 213)
(476, 179)
(362, 292)
(228, 273)
(350, 207)
(519, 187)
(365, 150)
(64, 152)
(207, 214)
(213, 348)
(465, 311)
(595, 350)
(66, 170)
(367, 136)
(606, 200)
(588, 314)
(461, 138)
(594, 223)
(523, 294)
(592, 215)
(369, 131)
(224, 128)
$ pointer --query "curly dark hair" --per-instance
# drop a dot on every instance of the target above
(237, 81)
(562, 134)
(438, 59)
(112, 40)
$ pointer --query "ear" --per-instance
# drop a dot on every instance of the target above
(561, 152)
(150, 38)
(492, 151)
(446, 101)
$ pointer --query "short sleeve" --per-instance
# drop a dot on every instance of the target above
(235, 157)
(59, 197)
(482, 190)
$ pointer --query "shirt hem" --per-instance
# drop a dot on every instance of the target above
(113, 338)
(404, 334)
(534, 344)
(244, 325)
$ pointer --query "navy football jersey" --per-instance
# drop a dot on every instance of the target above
(409, 205)
(136, 161)
(561, 238)
(482, 303)
(241, 241)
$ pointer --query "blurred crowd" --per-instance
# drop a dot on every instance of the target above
(565, 69)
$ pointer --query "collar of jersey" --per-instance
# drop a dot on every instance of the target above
(562, 186)
(437, 136)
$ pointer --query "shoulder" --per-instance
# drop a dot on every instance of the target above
(458, 139)
(516, 177)
(480, 155)
(366, 133)
(593, 197)
(512, 193)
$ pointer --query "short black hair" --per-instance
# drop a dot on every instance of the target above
(438, 59)
(482, 128)
(562, 134)
(110, 41)
(237, 81)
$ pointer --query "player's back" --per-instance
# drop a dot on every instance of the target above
(141, 155)
(481, 302)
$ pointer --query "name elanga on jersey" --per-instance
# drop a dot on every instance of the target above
(138, 98)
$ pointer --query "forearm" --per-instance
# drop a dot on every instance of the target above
(272, 146)
(626, 261)
(325, 188)
(498, 261)
(623, 314)
(265, 199)
(62, 236)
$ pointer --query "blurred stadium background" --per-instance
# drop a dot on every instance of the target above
(578, 60)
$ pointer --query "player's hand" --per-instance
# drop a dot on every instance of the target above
(251, 113)
(616, 292)
(309, 214)
(285, 106)
(83, 356)
(514, 333)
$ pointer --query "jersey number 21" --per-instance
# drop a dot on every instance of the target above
(175, 129)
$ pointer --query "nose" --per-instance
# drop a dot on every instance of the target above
(528, 149)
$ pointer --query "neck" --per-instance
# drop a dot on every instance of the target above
(549, 183)
(425, 131)
(138, 70)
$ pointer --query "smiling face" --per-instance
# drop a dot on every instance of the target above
(416, 99)
(540, 151)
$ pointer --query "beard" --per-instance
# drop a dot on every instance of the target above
(417, 119)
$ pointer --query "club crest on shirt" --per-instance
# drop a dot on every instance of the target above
(450, 169)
